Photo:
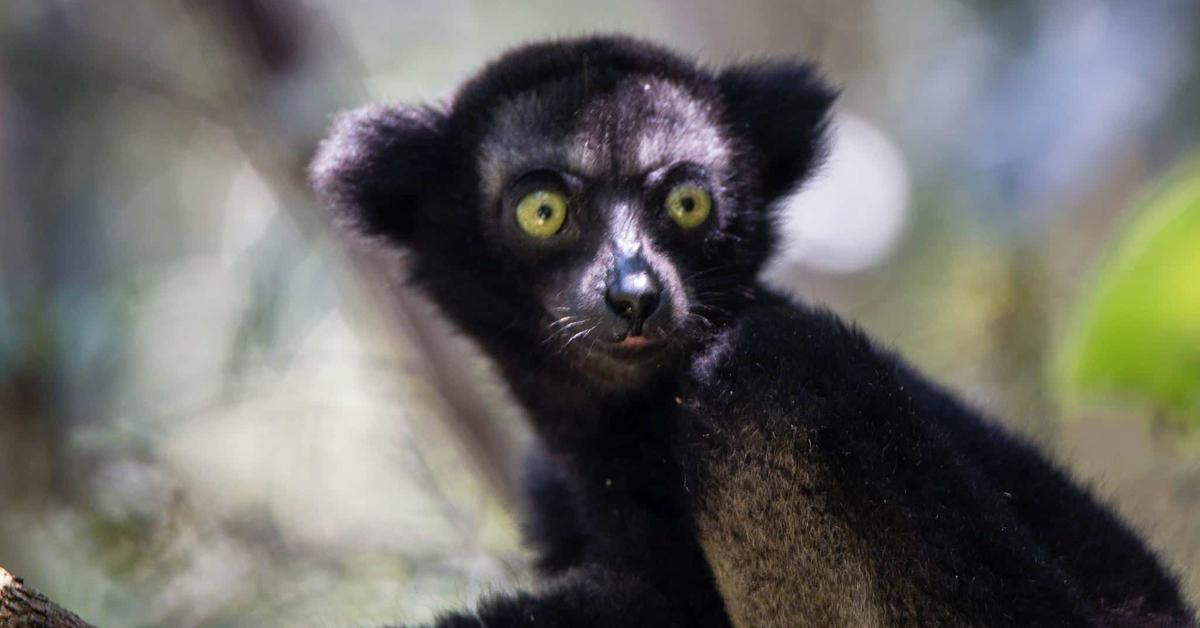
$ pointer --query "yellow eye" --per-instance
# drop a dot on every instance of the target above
(688, 204)
(541, 214)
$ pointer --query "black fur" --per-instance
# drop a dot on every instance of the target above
(776, 118)
(987, 530)
(386, 158)
(1109, 564)
(951, 520)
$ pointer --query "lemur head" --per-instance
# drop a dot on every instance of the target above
(590, 207)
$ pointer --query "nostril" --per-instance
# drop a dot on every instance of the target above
(633, 305)
(621, 303)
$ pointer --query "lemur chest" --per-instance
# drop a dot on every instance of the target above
(782, 546)
(781, 554)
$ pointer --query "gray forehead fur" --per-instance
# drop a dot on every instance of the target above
(642, 124)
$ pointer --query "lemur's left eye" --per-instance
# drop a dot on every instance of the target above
(542, 213)
(688, 205)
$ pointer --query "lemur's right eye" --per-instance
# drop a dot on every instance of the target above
(541, 213)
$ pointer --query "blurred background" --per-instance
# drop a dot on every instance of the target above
(213, 413)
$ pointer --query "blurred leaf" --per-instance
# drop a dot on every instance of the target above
(1136, 333)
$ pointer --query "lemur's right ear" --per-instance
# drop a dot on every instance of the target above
(377, 163)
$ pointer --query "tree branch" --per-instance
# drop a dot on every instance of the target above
(23, 607)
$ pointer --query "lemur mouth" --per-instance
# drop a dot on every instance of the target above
(636, 342)
(635, 347)
(624, 361)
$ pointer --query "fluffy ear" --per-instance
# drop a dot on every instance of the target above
(376, 164)
(783, 110)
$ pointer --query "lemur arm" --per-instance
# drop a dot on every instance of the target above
(823, 494)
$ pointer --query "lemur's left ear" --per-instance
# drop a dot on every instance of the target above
(783, 110)
(377, 165)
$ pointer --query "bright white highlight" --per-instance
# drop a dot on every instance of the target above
(853, 213)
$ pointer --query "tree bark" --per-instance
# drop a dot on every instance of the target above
(23, 607)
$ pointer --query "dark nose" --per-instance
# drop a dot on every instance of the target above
(633, 291)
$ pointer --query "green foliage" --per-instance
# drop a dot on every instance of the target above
(1136, 333)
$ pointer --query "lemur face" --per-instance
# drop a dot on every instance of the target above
(593, 207)
(605, 197)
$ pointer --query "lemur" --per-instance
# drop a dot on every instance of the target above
(594, 213)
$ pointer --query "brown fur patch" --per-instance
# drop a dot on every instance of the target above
(786, 553)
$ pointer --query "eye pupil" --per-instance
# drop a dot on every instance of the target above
(541, 213)
(688, 205)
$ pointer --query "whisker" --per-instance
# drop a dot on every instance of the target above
(587, 356)
(563, 329)
(579, 335)
(706, 271)
(566, 320)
